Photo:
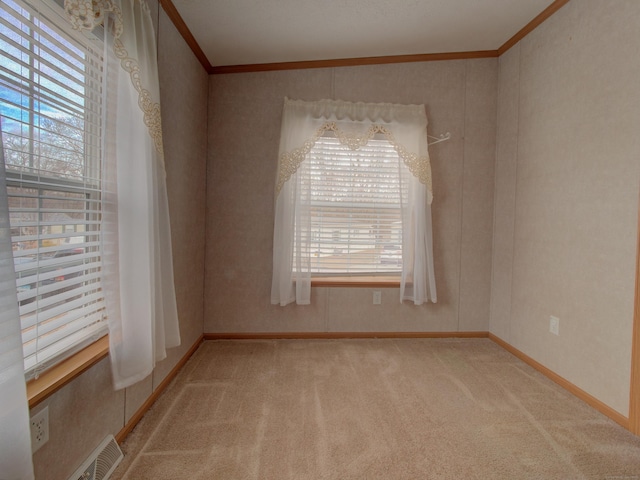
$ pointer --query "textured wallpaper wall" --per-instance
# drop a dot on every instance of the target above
(567, 176)
(244, 132)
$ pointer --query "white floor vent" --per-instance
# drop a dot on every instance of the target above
(101, 463)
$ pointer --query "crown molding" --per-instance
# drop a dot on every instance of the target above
(181, 26)
(172, 12)
(352, 62)
(532, 25)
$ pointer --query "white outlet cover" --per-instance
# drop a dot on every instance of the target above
(554, 325)
(39, 429)
(377, 297)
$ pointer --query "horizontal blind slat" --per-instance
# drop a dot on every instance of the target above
(43, 275)
(43, 60)
(46, 356)
(59, 295)
(27, 295)
(50, 330)
(72, 315)
(45, 315)
(62, 37)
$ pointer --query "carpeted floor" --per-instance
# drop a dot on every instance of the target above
(371, 409)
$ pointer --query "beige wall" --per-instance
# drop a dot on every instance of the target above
(566, 194)
(244, 125)
(82, 413)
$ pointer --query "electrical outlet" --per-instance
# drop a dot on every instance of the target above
(554, 325)
(377, 297)
(39, 429)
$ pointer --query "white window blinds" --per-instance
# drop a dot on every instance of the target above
(51, 113)
(355, 217)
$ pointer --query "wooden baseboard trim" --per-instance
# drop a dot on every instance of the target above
(634, 391)
(133, 421)
(339, 335)
(564, 383)
(570, 387)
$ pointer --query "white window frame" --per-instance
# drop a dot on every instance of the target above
(66, 312)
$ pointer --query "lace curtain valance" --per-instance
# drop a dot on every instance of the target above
(354, 125)
(127, 44)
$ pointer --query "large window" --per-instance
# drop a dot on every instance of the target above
(353, 198)
(51, 114)
(356, 223)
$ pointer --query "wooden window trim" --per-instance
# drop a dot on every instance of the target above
(361, 281)
(64, 372)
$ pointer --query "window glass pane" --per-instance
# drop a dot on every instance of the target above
(50, 104)
(355, 204)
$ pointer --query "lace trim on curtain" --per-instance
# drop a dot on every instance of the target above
(420, 167)
(88, 14)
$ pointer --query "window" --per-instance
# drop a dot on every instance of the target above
(353, 197)
(356, 223)
(51, 113)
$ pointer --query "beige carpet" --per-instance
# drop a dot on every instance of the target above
(371, 409)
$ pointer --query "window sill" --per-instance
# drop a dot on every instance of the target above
(59, 375)
(365, 281)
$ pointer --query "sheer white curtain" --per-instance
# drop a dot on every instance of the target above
(354, 124)
(137, 261)
(15, 439)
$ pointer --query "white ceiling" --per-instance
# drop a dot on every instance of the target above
(241, 32)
